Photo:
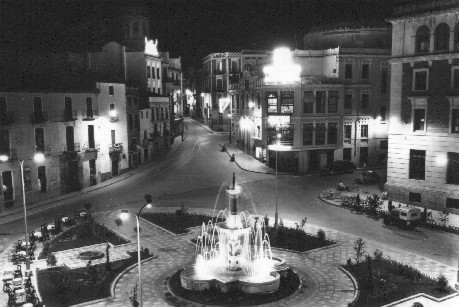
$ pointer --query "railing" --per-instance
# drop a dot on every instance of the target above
(39, 117)
(9, 152)
(114, 118)
(90, 114)
(117, 147)
(75, 147)
(65, 116)
(6, 118)
(91, 147)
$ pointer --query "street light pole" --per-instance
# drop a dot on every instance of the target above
(21, 163)
(123, 215)
(276, 215)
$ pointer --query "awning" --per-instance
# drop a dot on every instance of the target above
(89, 155)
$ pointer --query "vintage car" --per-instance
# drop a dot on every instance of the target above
(404, 217)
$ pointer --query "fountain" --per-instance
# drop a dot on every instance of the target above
(234, 255)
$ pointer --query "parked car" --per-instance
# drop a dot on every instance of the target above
(339, 167)
(368, 177)
(403, 217)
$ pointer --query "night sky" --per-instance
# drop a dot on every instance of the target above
(188, 28)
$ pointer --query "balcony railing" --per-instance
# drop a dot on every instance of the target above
(9, 152)
(91, 147)
(114, 118)
(39, 117)
(117, 147)
(90, 114)
(75, 147)
(65, 116)
(6, 118)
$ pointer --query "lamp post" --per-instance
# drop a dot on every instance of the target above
(39, 157)
(124, 215)
(278, 147)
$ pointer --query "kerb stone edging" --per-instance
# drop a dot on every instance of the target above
(356, 284)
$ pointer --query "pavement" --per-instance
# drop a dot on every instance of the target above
(327, 284)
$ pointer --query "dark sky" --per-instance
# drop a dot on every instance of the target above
(188, 28)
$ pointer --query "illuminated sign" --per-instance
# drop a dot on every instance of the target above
(278, 119)
(223, 103)
(283, 70)
(151, 47)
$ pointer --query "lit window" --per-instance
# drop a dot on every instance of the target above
(420, 79)
(287, 102)
(417, 164)
(272, 102)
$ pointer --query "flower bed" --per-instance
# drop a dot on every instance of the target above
(295, 239)
(384, 281)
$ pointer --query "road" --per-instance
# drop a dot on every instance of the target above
(196, 174)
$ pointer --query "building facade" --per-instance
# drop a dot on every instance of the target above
(71, 129)
(424, 106)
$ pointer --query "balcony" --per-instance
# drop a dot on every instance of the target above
(73, 147)
(117, 147)
(65, 116)
(46, 150)
(91, 146)
(39, 117)
(90, 114)
(114, 118)
(10, 153)
(6, 118)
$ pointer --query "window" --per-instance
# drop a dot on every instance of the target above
(455, 121)
(365, 71)
(414, 197)
(42, 178)
(420, 79)
(320, 102)
(383, 113)
(258, 100)
(130, 122)
(5, 142)
(348, 100)
(234, 66)
(157, 113)
(347, 154)
(422, 39)
(455, 78)
(308, 102)
(146, 114)
(364, 99)
(39, 140)
(348, 71)
(135, 28)
(286, 102)
(272, 102)
(157, 73)
(113, 134)
(441, 37)
(452, 168)
(383, 145)
(219, 66)
(333, 102)
(166, 111)
(456, 36)
(419, 121)
(332, 133)
(219, 84)
(347, 131)
(364, 131)
(384, 75)
(320, 134)
(148, 72)
(417, 164)
(141, 114)
(307, 134)
(153, 72)
(452, 203)
(111, 91)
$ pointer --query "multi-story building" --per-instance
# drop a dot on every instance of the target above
(220, 71)
(335, 110)
(70, 127)
(423, 159)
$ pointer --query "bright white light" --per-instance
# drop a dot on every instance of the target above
(283, 70)
(149, 206)
(251, 104)
(124, 215)
(441, 160)
(178, 91)
(39, 157)
(223, 103)
(151, 47)
(230, 115)
(379, 118)
(4, 158)
(279, 135)
(279, 147)
(188, 92)
(112, 113)
(278, 119)
(202, 94)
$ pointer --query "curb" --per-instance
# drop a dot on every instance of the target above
(356, 284)
(159, 227)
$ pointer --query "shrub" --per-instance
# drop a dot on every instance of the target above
(359, 248)
(417, 304)
(281, 222)
(84, 231)
(321, 235)
(444, 217)
(349, 262)
(442, 283)
(45, 249)
(51, 260)
(378, 255)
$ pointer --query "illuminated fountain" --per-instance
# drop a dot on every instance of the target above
(234, 254)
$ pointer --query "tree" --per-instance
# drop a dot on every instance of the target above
(359, 248)
(51, 260)
(118, 223)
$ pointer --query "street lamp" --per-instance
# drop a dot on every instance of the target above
(39, 157)
(124, 215)
(278, 147)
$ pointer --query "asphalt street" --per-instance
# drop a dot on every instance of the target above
(196, 174)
